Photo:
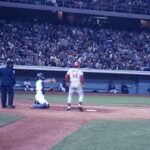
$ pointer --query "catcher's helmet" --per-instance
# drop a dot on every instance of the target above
(40, 75)
(76, 64)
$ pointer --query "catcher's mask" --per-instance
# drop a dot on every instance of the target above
(40, 75)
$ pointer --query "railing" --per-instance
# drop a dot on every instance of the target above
(95, 80)
(88, 5)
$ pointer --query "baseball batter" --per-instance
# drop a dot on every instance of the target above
(40, 101)
(75, 77)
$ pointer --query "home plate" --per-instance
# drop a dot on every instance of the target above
(91, 110)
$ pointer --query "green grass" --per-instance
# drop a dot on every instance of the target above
(93, 99)
(108, 135)
(104, 135)
(7, 119)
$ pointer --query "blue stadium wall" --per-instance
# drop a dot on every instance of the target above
(95, 81)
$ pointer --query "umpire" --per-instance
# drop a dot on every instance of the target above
(7, 83)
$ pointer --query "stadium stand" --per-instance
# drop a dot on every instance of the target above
(46, 44)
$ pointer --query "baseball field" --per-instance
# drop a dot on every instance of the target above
(109, 122)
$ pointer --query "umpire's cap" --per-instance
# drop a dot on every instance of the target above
(10, 63)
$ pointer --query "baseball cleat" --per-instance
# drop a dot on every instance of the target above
(11, 106)
(4, 106)
(68, 109)
(80, 109)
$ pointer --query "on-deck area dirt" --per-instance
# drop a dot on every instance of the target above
(41, 129)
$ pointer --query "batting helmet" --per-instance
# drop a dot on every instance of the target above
(76, 64)
(40, 75)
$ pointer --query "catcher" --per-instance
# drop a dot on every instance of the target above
(40, 101)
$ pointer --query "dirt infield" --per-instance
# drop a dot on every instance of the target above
(41, 129)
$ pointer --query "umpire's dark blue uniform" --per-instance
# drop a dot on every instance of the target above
(7, 82)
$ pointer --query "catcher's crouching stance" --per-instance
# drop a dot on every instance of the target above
(40, 101)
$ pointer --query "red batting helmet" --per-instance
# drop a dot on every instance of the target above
(76, 64)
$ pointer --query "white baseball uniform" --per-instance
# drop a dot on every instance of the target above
(75, 84)
(39, 93)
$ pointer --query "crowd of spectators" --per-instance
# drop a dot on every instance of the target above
(46, 44)
(130, 6)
